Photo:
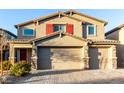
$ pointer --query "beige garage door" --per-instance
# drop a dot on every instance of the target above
(59, 58)
(98, 58)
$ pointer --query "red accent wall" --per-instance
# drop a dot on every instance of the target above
(69, 28)
(49, 29)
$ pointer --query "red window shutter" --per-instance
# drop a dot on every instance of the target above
(49, 29)
(69, 28)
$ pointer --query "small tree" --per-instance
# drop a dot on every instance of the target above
(3, 43)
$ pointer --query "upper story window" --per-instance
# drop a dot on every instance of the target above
(91, 30)
(28, 32)
(58, 28)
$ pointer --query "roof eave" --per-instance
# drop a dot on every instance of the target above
(106, 42)
(36, 19)
(114, 29)
(40, 18)
(59, 32)
(105, 23)
(24, 23)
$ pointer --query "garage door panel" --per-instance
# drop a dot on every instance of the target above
(44, 61)
(66, 55)
(98, 58)
(59, 58)
(93, 61)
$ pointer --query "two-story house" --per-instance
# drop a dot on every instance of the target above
(7, 35)
(117, 33)
(64, 40)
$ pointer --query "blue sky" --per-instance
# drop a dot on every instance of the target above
(10, 17)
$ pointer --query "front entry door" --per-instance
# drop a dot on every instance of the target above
(23, 54)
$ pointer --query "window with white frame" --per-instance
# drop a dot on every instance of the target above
(28, 32)
(58, 27)
(91, 30)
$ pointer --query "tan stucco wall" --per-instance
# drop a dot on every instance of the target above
(78, 28)
(61, 41)
(62, 20)
(121, 35)
(20, 31)
(41, 27)
(99, 27)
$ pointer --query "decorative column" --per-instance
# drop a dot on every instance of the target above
(114, 58)
(86, 57)
(12, 54)
(34, 57)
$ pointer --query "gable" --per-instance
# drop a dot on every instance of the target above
(86, 16)
(46, 18)
(70, 12)
(62, 20)
(87, 19)
(58, 40)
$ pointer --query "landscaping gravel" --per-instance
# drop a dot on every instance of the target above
(70, 77)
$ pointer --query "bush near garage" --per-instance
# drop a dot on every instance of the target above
(20, 69)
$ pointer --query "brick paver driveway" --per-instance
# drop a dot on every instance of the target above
(72, 77)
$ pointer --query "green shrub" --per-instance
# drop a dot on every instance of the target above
(6, 65)
(20, 69)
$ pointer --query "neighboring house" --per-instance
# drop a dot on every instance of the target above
(8, 35)
(64, 40)
(118, 34)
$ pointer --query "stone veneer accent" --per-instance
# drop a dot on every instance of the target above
(114, 58)
(34, 57)
(86, 57)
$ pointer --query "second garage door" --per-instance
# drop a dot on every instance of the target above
(59, 58)
(98, 58)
